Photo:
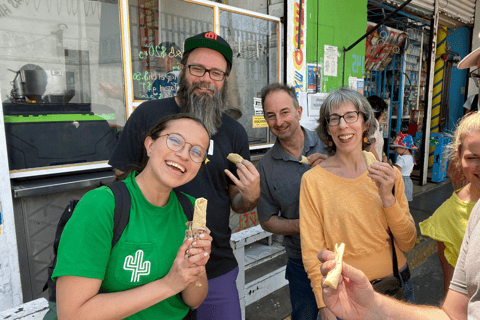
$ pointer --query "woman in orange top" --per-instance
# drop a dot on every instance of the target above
(343, 201)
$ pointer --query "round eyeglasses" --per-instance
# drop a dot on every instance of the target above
(349, 117)
(176, 142)
(199, 71)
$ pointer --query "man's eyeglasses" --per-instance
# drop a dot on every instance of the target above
(349, 117)
(199, 71)
(176, 142)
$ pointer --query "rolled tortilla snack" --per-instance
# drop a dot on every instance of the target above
(369, 158)
(200, 214)
(304, 160)
(334, 275)
(199, 224)
(235, 157)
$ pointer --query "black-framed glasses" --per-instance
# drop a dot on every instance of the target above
(176, 142)
(199, 71)
(349, 117)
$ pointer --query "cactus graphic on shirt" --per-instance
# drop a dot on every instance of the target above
(137, 266)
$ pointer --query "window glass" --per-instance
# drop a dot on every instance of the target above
(158, 30)
(62, 81)
(255, 65)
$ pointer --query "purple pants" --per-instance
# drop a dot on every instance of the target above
(222, 301)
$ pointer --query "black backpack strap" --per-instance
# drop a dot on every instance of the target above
(121, 214)
(187, 205)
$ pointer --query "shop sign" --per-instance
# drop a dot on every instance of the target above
(259, 122)
(296, 54)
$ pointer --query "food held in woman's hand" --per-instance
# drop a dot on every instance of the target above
(304, 160)
(198, 225)
(334, 275)
(235, 158)
(200, 214)
(369, 158)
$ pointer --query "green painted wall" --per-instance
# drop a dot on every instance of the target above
(337, 23)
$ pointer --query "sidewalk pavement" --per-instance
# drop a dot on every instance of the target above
(422, 259)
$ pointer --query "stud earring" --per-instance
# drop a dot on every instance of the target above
(330, 143)
(365, 139)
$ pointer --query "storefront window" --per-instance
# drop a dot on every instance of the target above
(255, 61)
(157, 32)
(62, 85)
(158, 29)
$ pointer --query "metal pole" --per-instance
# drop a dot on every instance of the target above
(428, 111)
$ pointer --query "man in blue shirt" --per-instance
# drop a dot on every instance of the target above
(280, 177)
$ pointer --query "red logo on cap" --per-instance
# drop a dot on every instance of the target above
(211, 35)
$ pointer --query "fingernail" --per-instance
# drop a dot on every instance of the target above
(194, 243)
(202, 235)
(205, 254)
(190, 239)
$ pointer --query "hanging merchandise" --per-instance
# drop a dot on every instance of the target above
(381, 46)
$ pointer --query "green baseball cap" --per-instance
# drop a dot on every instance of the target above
(210, 40)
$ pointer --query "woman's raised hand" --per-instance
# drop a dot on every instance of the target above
(187, 266)
(384, 176)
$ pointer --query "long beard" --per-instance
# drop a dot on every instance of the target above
(208, 108)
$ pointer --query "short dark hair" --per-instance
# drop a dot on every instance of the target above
(379, 105)
(154, 133)
(279, 87)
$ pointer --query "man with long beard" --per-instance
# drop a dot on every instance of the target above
(204, 70)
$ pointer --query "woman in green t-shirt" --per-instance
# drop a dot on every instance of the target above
(152, 272)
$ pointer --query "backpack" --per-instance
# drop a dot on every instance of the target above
(121, 217)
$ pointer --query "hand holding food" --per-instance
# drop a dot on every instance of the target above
(334, 275)
(199, 224)
(369, 158)
(304, 160)
(235, 158)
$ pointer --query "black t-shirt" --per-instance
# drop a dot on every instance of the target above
(211, 181)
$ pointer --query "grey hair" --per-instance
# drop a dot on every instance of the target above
(334, 100)
(279, 87)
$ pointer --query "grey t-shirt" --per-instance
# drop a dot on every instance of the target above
(280, 178)
(466, 278)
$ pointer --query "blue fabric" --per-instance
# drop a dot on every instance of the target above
(304, 305)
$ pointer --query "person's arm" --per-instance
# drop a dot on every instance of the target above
(245, 192)
(316, 158)
(447, 268)
(395, 206)
(312, 237)
(355, 298)
(280, 225)
(79, 297)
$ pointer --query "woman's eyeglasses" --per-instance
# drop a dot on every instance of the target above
(349, 117)
(176, 142)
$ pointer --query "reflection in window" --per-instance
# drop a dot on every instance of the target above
(255, 53)
(62, 88)
(158, 29)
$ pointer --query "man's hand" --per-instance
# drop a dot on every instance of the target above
(354, 295)
(246, 192)
(315, 159)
